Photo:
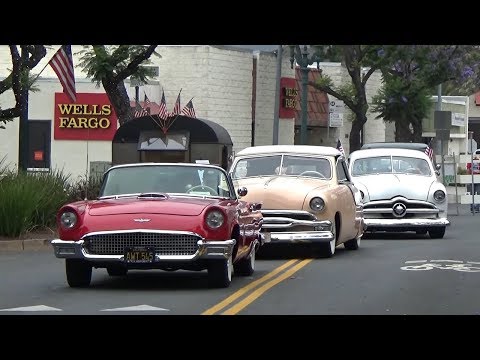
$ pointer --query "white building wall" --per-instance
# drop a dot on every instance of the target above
(9, 135)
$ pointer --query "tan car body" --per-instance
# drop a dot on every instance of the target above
(285, 198)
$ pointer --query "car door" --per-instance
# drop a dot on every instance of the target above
(352, 204)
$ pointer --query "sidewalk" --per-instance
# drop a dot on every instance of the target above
(39, 240)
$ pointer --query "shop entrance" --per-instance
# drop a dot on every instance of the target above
(187, 140)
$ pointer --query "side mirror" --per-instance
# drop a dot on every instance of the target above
(242, 191)
(438, 167)
(437, 172)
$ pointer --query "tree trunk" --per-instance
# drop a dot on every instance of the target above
(417, 131)
(117, 94)
(355, 140)
(402, 131)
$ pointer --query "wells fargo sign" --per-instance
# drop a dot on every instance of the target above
(288, 97)
(91, 118)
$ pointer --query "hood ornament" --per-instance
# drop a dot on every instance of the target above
(141, 220)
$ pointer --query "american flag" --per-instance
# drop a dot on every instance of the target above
(163, 112)
(176, 108)
(340, 147)
(188, 110)
(62, 64)
(429, 150)
(146, 105)
(138, 110)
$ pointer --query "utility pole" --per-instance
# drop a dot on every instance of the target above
(23, 123)
(276, 111)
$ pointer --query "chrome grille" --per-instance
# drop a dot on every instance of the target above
(290, 214)
(163, 243)
(413, 209)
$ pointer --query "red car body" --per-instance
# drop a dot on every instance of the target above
(169, 230)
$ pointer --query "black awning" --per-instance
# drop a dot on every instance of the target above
(201, 130)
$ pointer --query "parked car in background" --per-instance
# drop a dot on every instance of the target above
(400, 191)
(305, 193)
(160, 216)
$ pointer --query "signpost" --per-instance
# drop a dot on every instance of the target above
(442, 122)
(335, 115)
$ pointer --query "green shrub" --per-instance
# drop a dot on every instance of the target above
(30, 200)
(83, 189)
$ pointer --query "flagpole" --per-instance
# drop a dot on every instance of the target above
(48, 63)
(179, 114)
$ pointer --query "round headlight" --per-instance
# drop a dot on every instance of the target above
(439, 195)
(214, 219)
(317, 204)
(68, 219)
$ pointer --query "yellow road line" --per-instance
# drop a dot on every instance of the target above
(247, 288)
(256, 294)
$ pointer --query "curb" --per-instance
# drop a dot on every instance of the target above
(27, 244)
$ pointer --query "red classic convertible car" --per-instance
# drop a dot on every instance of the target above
(161, 216)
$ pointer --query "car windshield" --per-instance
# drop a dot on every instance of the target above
(283, 165)
(390, 164)
(193, 180)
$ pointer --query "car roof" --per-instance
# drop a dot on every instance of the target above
(291, 149)
(387, 152)
(399, 145)
(167, 164)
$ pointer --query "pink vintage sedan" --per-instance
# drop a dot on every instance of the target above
(306, 194)
(161, 216)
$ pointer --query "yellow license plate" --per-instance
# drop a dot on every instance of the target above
(139, 255)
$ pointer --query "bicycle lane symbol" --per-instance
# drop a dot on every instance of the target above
(455, 265)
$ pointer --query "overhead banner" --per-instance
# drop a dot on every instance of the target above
(91, 117)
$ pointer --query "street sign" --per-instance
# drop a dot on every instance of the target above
(442, 119)
(335, 119)
(336, 106)
(443, 134)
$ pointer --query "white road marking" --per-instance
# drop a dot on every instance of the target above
(415, 261)
(453, 261)
(33, 308)
(473, 262)
(137, 308)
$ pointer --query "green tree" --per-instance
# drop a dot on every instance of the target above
(110, 65)
(412, 78)
(20, 78)
(361, 61)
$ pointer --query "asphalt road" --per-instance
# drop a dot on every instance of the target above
(390, 274)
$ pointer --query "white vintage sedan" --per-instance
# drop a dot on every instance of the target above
(400, 191)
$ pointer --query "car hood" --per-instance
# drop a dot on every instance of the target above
(279, 192)
(171, 206)
(387, 186)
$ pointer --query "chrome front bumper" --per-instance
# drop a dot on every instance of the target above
(405, 223)
(207, 250)
(299, 237)
(277, 223)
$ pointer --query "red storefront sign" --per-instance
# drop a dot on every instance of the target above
(91, 118)
(288, 97)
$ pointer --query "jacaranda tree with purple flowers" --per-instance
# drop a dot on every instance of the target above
(412, 77)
